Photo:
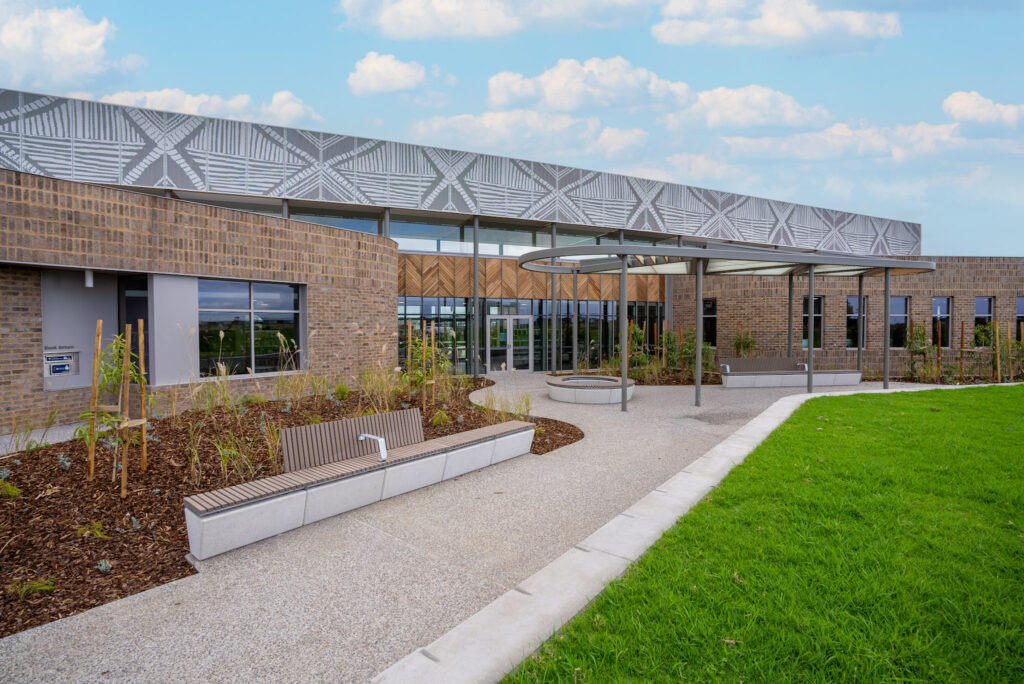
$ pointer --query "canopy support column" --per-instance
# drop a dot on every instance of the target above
(789, 320)
(575, 321)
(698, 363)
(810, 328)
(554, 307)
(623, 330)
(474, 320)
(860, 323)
(885, 341)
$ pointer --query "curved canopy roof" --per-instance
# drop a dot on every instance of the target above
(720, 259)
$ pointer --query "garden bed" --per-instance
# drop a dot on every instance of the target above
(97, 547)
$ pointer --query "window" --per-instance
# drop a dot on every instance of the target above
(1020, 318)
(941, 320)
(818, 321)
(711, 322)
(363, 223)
(508, 240)
(247, 326)
(899, 315)
(852, 327)
(982, 317)
(434, 237)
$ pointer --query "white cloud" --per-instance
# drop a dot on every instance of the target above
(377, 73)
(770, 23)
(751, 105)
(618, 142)
(571, 84)
(286, 109)
(416, 19)
(842, 140)
(700, 167)
(974, 107)
(524, 131)
(433, 18)
(55, 47)
(283, 108)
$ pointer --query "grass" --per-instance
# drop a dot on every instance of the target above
(870, 537)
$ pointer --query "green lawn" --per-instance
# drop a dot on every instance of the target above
(871, 537)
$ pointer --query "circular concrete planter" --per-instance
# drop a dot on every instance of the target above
(588, 389)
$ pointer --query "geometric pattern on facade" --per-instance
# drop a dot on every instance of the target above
(94, 142)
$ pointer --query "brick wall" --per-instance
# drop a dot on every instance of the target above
(351, 278)
(760, 304)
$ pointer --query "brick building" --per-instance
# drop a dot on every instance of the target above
(227, 236)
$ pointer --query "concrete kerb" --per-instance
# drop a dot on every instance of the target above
(492, 642)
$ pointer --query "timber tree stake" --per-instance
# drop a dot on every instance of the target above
(93, 399)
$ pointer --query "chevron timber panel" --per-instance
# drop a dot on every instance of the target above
(105, 143)
(431, 284)
(413, 275)
(463, 277)
(492, 282)
(446, 276)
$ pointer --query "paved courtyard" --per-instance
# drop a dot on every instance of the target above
(344, 598)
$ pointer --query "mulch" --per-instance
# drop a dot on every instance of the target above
(46, 532)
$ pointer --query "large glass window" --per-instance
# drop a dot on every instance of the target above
(818, 321)
(899, 313)
(1020, 319)
(711, 322)
(432, 237)
(363, 223)
(247, 326)
(853, 310)
(508, 240)
(941, 320)
(982, 316)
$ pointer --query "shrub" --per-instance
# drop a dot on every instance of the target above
(440, 419)
(743, 344)
(341, 391)
(93, 529)
(29, 587)
(8, 491)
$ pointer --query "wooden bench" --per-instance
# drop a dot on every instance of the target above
(778, 372)
(329, 470)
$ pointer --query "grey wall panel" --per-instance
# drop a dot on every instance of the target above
(70, 311)
(174, 316)
(94, 142)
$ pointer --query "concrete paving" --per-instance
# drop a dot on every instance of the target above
(344, 598)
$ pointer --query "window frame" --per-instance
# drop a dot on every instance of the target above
(704, 320)
(1020, 317)
(947, 323)
(906, 321)
(819, 323)
(252, 312)
(854, 318)
(985, 318)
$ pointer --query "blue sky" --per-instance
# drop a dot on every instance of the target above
(908, 109)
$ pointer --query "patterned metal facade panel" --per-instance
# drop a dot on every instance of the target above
(102, 143)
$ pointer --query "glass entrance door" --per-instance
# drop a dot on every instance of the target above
(509, 343)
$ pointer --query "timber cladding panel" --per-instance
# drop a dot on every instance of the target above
(350, 277)
(432, 275)
(759, 304)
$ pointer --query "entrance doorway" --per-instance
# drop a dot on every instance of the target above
(509, 343)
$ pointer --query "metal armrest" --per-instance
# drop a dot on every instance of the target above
(380, 441)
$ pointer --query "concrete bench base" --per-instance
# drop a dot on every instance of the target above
(790, 379)
(215, 533)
